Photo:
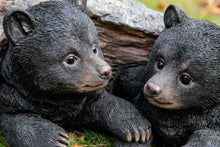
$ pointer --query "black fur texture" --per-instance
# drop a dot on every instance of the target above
(52, 79)
(179, 87)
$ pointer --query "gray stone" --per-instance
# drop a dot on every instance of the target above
(11, 4)
(127, 30)
(127, 12)
(120, 12)
(23, 4)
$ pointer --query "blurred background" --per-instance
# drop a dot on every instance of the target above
(199, 9)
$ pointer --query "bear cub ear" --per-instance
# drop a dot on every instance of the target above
(173, 16)
(18, 24)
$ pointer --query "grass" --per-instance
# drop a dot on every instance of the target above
(3, 142)
(90, 138)
(79, 139)
(191, 7)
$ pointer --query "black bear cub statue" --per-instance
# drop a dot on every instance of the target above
(52, 79)
(179, 92)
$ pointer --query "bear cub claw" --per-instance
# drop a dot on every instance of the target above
(141, 136)
(63, 140)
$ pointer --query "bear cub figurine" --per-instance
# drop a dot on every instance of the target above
(179, 90)
(52, 77)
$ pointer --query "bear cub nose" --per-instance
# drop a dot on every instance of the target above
(105, 70)
(153, 89)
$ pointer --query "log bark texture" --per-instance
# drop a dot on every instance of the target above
(127, 30)
(123, 45)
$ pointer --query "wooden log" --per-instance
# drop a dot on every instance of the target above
(127, 30)
(123, 45)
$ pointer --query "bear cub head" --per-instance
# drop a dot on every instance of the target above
(183, 68)
(58, 55)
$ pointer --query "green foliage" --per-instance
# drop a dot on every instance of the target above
(190, 7)
(90, 138)
(3, 142)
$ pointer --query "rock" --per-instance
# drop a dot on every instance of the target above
(127, 29)
(23, 4)
(6, 5)
(129, 13)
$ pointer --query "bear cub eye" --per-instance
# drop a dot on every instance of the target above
(186, 79)
(94, 49)
(71, 59)
(160, 63)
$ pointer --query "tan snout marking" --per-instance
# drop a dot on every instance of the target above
(167, 98)
(184, 65)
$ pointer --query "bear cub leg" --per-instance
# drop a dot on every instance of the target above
(25, 130)
(204, 138)
(119, 117)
